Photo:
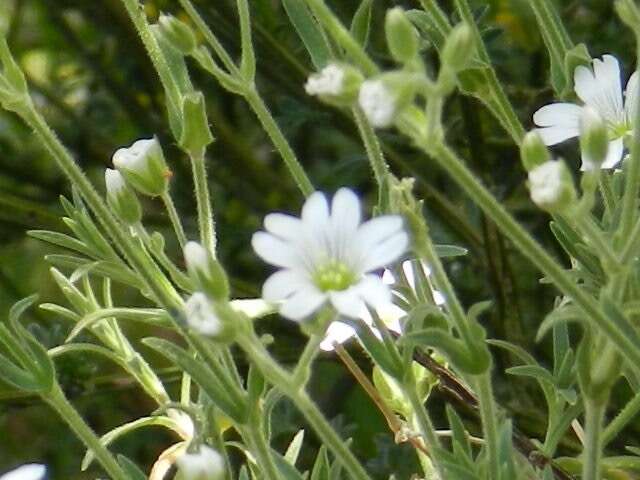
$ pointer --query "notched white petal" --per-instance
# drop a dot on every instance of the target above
(302, 303)
(273, 250)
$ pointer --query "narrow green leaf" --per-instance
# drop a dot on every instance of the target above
(309, 32)
(361, 23)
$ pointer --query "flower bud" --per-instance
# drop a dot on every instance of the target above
(594, 139)
(205, 271)
(402, 38)
(143, 166)
(201, 315)
(458, 48)
(196, 134)
(383, 97)
(335, 84)
(121, 198)
(551, 186)
(533, 151)
(177, 33)
(204, 464)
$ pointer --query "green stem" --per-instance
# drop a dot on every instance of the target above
(608, 196)
(626, 415)
(261, 449)
(205, 216)
(532, 250)
(175, 219)
(427, 430)
(283, 381)
(60, 404)
(279, 141)
(302, 372)
(488, 415)
(592, 453)
(374, 151)
(596, 238)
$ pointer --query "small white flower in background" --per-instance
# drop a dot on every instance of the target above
(205, 464)
(551, 186)
(599, 88)
(407, 268)
(113, 181)
(121, 198)
(378, 103)
(143, 166)
(329, 81)
(201, 315)
(31, 471)
(326, 256)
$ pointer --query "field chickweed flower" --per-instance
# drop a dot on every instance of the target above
(599, 88)
(205, 464)
(551, 186)
(327, 254)
(121, 198)
(329, 81)
(201, 315)
(143, 166)
(32, 471)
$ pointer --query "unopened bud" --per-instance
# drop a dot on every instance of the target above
(594, 139)
(533, 151)
(177, 33)
(196, 134)
(382, 98)
(551, 186)
(143, 166)
(336, 84)
(201, 315)
(402, 38)
(203, 464)
(458, 48)
(121, 198)
(207, 274)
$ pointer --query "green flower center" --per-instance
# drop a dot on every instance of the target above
(333, 275)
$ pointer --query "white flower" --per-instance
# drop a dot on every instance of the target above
(326, 255)
(329, 81)
(31, 471)
(135, 157)
(377, 103)
(546, 183)
(205, 464)
(114, 181)
(196, 257)
(201, 315)
(599, 88)
(143, 166)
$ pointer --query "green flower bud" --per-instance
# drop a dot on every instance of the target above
(203, 464)
(594, 139)
(207, 274)
(336, 84)
(458, 48)
(121, 198)
(551, 186)
(177, 33)
(402, 38)
(196, 134)
(143, 166)
(533, 151)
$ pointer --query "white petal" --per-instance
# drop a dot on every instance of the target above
(315, 211)
(282, 284)
(554, 135)
(284, 226)
(375, 231)
(407, 268)
(302, 303)
(386, 252)
(345, 219)
(601, 88)
(614, 155)
(337, 332)
(558, 115)
(348, 302)
(274, 251)
(387, 277)
(30, 471)
(631, 98)
(374, 292)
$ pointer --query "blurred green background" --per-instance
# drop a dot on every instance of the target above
(90, 76)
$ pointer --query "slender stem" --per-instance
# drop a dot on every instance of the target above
(261, 449)
(532, 250)
(205, 216)
(283, 381)
(489, 418)
(374, 152)
(175, 219)
(606, 189)
(592, 453)
(302, 372)
(279, 141)
(60, 404)
(427, 430)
